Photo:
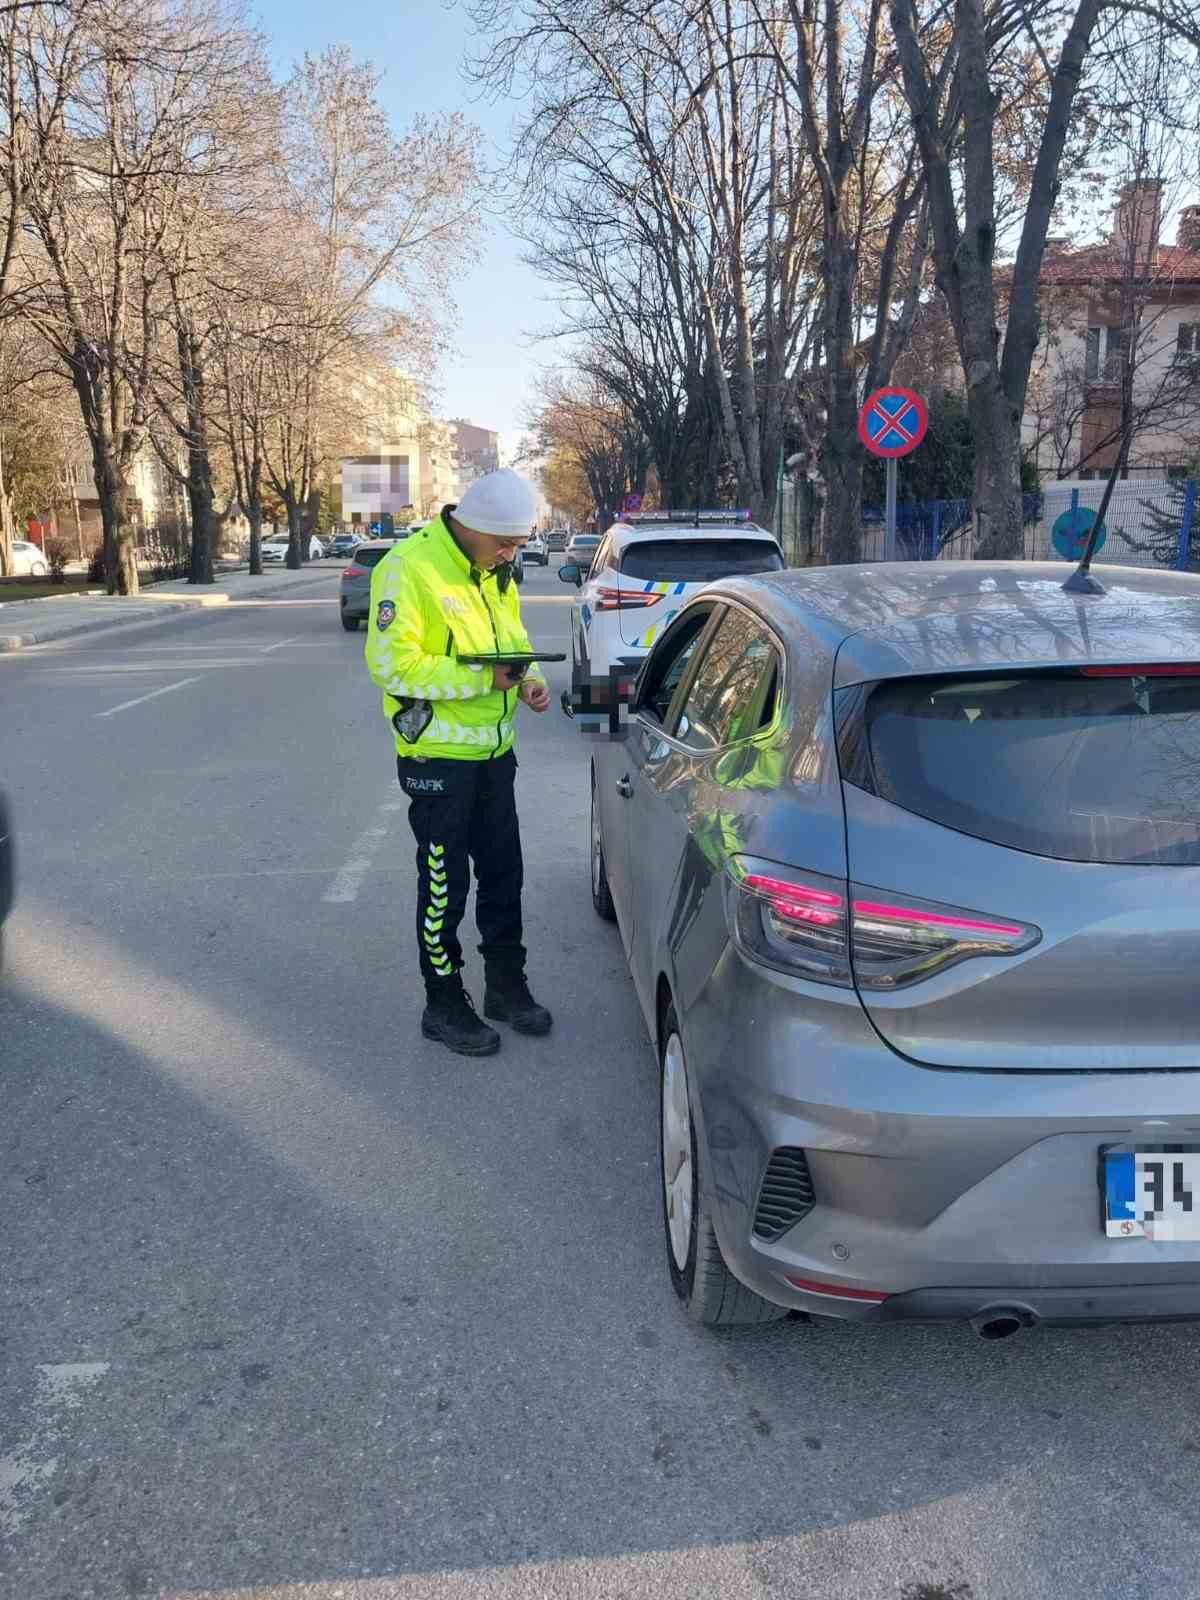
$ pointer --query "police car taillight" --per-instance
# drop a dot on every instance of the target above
(355, 572)
(625, 599)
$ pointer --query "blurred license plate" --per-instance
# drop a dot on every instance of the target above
(1151, 1191)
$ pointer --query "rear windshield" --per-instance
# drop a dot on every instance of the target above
(699, 560)
(369, 558)
(1101, 768)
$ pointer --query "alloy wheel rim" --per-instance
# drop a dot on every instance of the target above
(677, 1151)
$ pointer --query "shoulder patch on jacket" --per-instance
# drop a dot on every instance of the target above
(385, 614)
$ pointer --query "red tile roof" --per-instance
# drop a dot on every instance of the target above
(1173, 266)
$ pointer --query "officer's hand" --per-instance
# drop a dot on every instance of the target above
(535, 694)
(506, 677)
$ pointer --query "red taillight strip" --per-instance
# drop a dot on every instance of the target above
(791, 891)
(838, 1291)
(1159, 669)
(355, 572)
(932, 919)
(797, 902)
(624, 599)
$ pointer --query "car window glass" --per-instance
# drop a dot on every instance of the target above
(1098, 766)
(667, 664)
(698, 560)
(726, 699)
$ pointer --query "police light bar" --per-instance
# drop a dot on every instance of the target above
(689, 517)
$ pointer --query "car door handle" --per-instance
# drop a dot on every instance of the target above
(625, 788)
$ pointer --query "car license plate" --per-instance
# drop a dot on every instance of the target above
(1151, 1191)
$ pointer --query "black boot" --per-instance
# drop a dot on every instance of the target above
(450, 1017)
(506, 998)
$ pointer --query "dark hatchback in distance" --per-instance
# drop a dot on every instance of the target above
(355, 599)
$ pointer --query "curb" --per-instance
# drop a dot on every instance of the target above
(167, 606)
(21, 641)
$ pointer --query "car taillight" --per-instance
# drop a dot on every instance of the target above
(807, 924)
(355, 572)
(625, 599)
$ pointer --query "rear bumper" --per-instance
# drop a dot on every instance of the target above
(940, 1194)
(1097, 1303)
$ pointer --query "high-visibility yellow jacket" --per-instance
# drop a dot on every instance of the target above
(429, 605)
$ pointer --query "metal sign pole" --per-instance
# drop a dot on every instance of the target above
(889, 534)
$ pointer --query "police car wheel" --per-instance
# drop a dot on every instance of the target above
(349, 623)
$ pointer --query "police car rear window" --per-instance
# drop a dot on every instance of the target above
(698, 560)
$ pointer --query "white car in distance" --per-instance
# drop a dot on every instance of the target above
(275, 548)
(28, 560)
(646, 567)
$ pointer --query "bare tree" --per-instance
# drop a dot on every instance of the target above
(953, 66)
(366, 213)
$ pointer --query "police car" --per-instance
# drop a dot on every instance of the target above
(647, 565)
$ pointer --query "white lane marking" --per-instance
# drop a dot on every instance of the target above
(348, 882)
(61, 1389)
(142, 698)
(266, 650)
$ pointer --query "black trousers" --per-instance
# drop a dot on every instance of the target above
(463, 812)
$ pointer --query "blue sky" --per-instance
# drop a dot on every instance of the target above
(419, 46)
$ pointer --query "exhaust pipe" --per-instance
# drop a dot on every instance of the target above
(999, 1322)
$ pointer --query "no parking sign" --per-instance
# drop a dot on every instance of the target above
(893, 422)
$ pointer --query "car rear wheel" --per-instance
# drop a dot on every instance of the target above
(710, 1293)
(349, 623)
(602, 900)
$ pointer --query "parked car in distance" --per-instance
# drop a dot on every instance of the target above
(581, 548)
(644, 572)
(537, 550)
(905, 861)
(28, 561)
(354, 601)
(343, 544)
(7, 869)
(275, 548)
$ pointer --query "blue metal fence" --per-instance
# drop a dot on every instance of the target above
(1149, 523)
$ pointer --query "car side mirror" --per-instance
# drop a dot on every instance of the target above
(570, 572)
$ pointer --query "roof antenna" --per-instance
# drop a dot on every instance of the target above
(1081, 580)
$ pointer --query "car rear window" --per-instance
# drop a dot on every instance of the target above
(699, 560)
(1101, 765)
(369, 558)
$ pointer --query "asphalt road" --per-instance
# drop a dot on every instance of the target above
(293, 1303)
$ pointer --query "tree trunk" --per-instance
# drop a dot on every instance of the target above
(199, 476)
(294, 561)
(120, 558)
(843, 451)
(998, 504)
(254, 513)
(200, 504)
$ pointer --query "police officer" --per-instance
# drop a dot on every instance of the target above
(444, 592)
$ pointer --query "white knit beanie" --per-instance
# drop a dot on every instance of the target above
(501, 503)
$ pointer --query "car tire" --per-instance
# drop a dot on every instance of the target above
(602, 899)
(349, 623)
(708, 1291)
(37, 569)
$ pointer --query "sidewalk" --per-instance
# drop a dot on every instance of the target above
(29, 622)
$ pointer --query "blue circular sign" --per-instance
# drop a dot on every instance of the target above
(1070, 532)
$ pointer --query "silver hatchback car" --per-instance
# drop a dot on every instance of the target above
(906, 864)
